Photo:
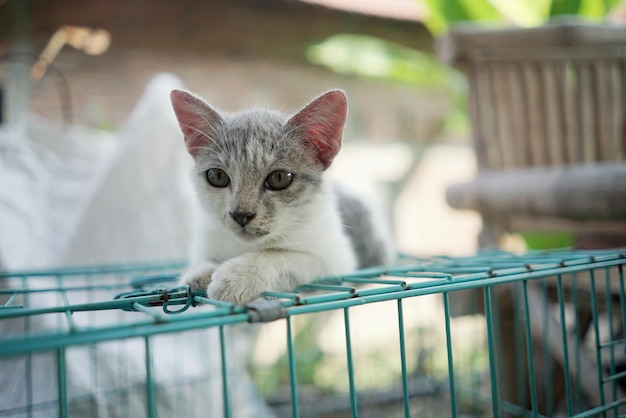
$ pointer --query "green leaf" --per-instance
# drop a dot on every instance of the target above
(544, 240)
(482, 10)
(367, 56)
(444, 12)
(525, 13)
(565, 7)
(596, 8)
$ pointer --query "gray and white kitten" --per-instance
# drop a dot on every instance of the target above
(271, 220)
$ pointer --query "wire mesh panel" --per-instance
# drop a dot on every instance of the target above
(497, 334)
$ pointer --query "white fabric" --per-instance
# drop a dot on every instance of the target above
(140, 209)
(71, 195)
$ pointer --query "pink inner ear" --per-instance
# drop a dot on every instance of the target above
(195, 118)
(322, 122)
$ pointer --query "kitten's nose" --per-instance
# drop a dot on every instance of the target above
(242, 218)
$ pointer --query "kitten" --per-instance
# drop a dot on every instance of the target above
(271, 220)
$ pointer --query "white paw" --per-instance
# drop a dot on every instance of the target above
(235, 283)
(198, 277)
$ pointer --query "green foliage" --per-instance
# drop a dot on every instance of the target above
(524, 13)
(444, 12)
(587, 8)
(564, 7)
(371, 57)
(545, 240)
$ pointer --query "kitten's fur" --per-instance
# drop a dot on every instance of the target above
(252, 237)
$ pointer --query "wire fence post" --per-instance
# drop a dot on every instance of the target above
(452, 386)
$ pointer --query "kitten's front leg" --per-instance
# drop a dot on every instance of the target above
(199, 276)
(242, 279)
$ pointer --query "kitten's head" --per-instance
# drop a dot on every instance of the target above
(257, 170)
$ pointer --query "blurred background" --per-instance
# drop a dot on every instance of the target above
(408, 135)
(94, 169)
(99, 57)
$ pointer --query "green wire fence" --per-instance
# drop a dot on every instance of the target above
(548, 339)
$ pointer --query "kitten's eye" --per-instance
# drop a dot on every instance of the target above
(278, 180)
(217, 177)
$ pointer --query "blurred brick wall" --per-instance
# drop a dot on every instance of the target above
(234, 53)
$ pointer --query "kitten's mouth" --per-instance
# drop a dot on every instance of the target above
(251, 234)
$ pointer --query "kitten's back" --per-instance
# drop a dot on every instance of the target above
(369, 237)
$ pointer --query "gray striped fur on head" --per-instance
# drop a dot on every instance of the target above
(250, 145)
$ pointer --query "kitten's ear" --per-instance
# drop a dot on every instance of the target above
(196, 118)
(321, 123)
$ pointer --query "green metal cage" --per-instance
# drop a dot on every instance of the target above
(539, 335)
